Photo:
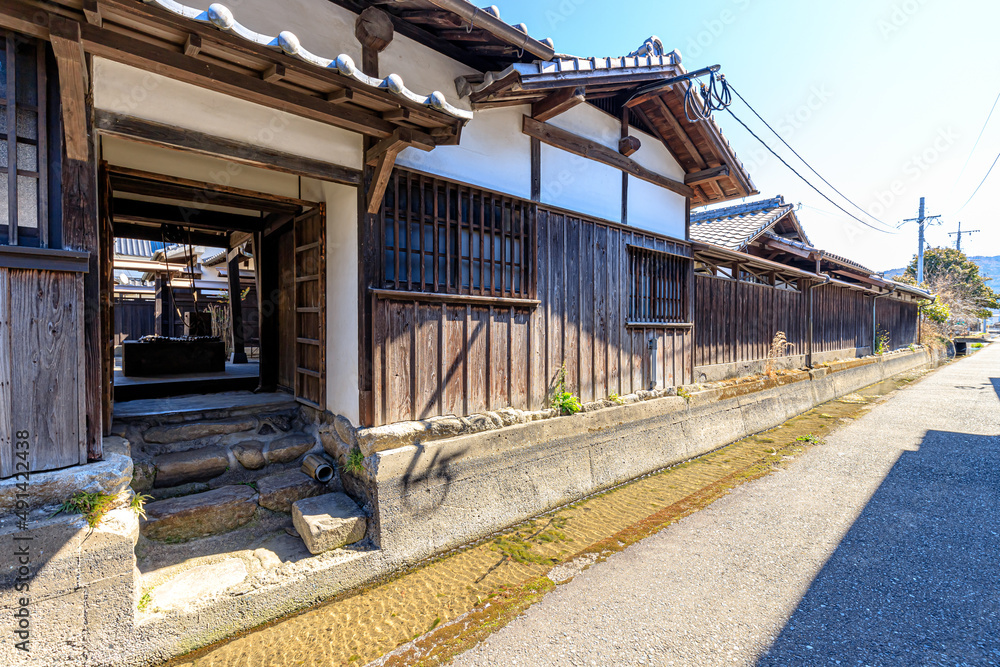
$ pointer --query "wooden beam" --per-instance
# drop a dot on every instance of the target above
(149, 132)
(73, 86)
(558, 102)
(135, 210)
(679, 131)
(629, 145)
(142, 232)
(92, 11)
(276, 222)
(340, 96)
(592, 150)
(706, 175)
(383, 169)
(374, 29)
(274, 72)
(400, 139)
(192, 45)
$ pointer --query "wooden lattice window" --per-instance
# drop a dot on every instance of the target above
(658, 287)
(25, 161)
(442, 237)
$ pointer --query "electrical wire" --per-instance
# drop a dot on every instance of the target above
(990, 115)
(806, 181)
(980, 183)
(780, 138)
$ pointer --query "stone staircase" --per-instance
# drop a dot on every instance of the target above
(212, 466)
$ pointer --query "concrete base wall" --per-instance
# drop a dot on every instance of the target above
(439, 495)
(719, 372)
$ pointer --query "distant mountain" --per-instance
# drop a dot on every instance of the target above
(988, 266)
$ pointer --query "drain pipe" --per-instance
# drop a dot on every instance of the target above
(892, 290)
(809, 350)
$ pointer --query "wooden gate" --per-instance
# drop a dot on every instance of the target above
(310, 307)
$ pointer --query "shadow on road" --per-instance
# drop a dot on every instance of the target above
(916, 580)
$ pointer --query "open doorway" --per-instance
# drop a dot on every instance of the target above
(214, 288)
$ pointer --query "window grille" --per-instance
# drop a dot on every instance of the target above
(658, 287)
(442, 237)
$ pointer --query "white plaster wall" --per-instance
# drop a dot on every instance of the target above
(342, 396)
(493, 154)
(579, 184)
(650, 206)
(654, 208)
(423, 70)
(134, 92)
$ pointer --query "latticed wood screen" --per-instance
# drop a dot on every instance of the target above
(23, 142)
(658, 287)
(442, 237)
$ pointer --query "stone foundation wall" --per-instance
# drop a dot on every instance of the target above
(438, 494)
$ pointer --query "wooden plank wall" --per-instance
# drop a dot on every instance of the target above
(736, 321)
(41, 360)
(435, 358)
(900, 319)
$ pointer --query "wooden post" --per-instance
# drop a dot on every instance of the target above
(158, 309)
(266, 260)
(374, 30)
(239, 355)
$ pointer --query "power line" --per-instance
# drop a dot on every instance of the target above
(804, 180)
(981, 182)
(990, 115)
(782, 140)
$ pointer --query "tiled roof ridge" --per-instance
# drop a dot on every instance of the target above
(222, 18)
(739, 209)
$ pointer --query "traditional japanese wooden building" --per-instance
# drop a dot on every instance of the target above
(444, 213)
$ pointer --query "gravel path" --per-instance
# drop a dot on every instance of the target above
(879, 547)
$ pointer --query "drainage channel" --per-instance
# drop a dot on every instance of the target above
(428, 615)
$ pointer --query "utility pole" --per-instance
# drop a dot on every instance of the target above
(958, 234)
(921, 221)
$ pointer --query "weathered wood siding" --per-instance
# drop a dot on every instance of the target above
(736, 321)
(41, 376)
(433, 358)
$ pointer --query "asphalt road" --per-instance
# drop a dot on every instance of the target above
(879, 547)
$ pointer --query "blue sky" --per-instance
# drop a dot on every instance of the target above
(885, 98)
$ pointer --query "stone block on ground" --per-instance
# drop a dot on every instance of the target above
(289, 448)
(250, 454)
(194, 585)
(278, 492)
(199, 515)
(193, 465)
(328, 522)
(171, 433)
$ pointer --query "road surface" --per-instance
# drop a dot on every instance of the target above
(879, 547)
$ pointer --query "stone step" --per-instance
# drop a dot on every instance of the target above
(174, 433)
(199, 514)
(279, 492)
(328, 522)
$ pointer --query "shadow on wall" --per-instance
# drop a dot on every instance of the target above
(916, 580)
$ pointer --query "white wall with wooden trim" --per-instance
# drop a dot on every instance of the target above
(650, 206)
(423, 70)
(342, 395)
(134, 92)
(493, 154)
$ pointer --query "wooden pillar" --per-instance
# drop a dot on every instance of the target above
(239, 355)
(266, 260)
(81, 227)
(374, 30)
